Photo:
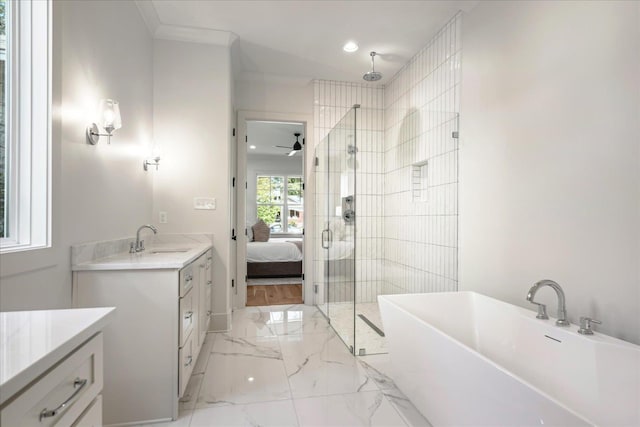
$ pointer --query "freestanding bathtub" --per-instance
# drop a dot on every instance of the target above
(466, 359)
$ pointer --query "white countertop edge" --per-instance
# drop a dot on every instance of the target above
(23, 378)
(143, 261)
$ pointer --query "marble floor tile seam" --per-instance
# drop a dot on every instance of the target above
(337, 394)
(311, 326)
(203, 404)
(216, 405)
(283, 334)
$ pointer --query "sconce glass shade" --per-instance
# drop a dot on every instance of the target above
(110, 115)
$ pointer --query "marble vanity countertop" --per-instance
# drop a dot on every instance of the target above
(32, 341)
(164, 252)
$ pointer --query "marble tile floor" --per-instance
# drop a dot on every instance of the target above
(366, 338)
(284, 366)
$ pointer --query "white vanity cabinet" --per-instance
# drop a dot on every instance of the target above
(206, 287)
(63, 396)
(152, 345)
(52, 367)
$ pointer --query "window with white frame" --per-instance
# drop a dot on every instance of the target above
(279, 201)
(25, 129)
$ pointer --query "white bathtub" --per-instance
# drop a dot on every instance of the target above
(467, 359)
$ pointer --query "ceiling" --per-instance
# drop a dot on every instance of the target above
(266, 135)
(304, 39)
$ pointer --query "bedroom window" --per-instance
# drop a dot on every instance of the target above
(279, 202)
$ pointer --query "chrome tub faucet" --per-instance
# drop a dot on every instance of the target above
(542, 309)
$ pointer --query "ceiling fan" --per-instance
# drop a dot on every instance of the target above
(296, 146)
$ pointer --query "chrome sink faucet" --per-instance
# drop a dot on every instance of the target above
(542, 309)
(139, 245)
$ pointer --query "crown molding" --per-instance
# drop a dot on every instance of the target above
(149, 15)
(194, 35)
(163, 31)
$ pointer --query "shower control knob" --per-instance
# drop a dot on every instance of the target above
(349, 215)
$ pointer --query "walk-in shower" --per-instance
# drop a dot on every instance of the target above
(386, 189)
(403, 203)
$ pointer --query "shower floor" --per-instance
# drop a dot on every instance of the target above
(341, 317)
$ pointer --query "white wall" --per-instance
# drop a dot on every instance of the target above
(267, 164)
(550, 156)
(192, 117)
(99, 192)
(277, 95)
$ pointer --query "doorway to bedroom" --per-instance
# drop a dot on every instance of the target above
(274, 206)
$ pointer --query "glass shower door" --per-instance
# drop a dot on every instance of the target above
(321, 226)
(336, 155)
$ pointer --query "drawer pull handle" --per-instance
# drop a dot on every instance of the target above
(190, 359)
(188, 315)
(209, 282)
(78, 384)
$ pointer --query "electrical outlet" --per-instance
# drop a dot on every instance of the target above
(163, 217)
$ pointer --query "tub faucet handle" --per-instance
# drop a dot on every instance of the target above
(542, 311)
(585, 325)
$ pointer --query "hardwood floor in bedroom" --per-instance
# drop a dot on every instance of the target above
(274, 294)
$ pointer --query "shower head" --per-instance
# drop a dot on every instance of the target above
(373, 75)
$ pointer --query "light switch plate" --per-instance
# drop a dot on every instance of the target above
(206, 203)
(162, 217)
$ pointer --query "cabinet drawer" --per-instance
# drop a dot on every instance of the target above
(209, 256)
(186, 359)
(92, 417)
(188, 317)
(186, 280)
(60, 396)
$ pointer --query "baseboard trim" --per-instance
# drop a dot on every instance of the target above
(220, 322)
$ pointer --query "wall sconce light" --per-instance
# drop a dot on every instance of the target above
(155, 161)
(110, 121)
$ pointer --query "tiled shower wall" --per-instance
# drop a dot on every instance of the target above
(407, 179)
(421, 168)
(332, 100)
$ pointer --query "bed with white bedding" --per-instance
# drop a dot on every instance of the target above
(279, 257)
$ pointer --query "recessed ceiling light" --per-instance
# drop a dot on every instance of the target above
(253, 147)
(350, 47)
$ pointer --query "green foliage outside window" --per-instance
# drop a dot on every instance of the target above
(275, 202)
(3, 24)
(268, 213)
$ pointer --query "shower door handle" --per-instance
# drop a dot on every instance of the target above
(325, 240)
